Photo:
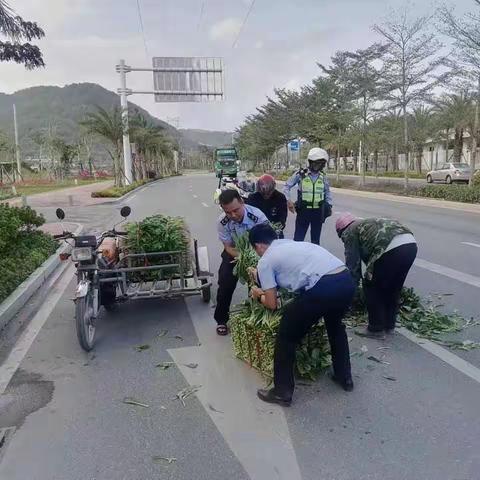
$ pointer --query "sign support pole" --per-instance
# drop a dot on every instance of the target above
(127, 152)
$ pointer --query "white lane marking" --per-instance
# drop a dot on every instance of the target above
(205, 205)
(443, 354)
(471, 244)
(257, 433)
(133, 196)
(56, 287)
(449, 272)
(195, 196)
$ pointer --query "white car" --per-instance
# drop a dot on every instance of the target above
(449, 173)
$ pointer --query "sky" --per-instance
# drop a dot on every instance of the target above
(278, 47)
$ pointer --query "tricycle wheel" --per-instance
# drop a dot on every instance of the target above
(84, 321)
(206, 292)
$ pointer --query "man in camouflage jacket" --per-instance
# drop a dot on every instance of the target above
(387, 249)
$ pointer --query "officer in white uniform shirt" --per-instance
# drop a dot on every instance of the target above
(325, 289)
(237, 219)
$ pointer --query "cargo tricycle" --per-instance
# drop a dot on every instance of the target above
(107, 274)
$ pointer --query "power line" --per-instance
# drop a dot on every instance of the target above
(250, 8)
(140, 19)
(200, 18)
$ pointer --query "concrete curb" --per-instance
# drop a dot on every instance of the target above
(22, 294)
(115, 201)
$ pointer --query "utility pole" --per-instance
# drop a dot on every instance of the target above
(127, 152)
(17, 146)
(362, 163)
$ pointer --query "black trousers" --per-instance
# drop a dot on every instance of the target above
(330, 298)
(227, 282)
(382, 293)
(309, 217)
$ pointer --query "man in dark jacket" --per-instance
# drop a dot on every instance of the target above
(271, 202)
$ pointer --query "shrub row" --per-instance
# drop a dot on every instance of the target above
(116, 192)
(23, 248)
(456, 193)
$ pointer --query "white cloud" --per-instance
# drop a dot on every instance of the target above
(226, 29)
(259, 44)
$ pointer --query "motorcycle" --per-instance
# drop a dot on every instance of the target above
(105, 267)
(244, 187)
(91, 293)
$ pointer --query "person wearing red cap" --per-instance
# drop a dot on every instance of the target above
(387, 249)
(270, 201)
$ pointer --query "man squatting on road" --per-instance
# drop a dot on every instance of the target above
(325, 289)
(387, 249)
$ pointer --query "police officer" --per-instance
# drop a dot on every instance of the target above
(237, 219)
(271, 202)
(314, 203)
(325, 289)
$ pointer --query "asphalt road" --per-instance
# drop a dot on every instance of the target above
(69, 420)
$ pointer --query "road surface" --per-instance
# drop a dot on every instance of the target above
(66, 411)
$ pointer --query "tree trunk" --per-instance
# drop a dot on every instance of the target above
(375, 162)
(458, 145)
(475, 137)
(405, 140)
(419, 159)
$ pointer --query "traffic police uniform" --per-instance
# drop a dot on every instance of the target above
(227, 281)
(324, 289)
(314, 203)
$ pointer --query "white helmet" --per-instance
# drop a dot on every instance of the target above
(317, 154)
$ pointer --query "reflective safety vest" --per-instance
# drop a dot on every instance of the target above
(312, 193)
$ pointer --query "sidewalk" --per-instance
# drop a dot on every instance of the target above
(66, 197)
(56, 228)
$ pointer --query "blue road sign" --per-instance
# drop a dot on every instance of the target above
(294, 145)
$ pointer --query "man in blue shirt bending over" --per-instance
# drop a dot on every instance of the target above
(325, 289)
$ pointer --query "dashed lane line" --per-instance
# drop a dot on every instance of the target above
(448, 272)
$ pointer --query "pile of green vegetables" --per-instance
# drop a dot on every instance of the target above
(253, 327)
(159, 233)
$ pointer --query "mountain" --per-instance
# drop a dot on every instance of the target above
(206, 137)
(61, 108)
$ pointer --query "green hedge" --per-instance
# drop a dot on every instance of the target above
(457, 193)
(116, 192)
(23, 247)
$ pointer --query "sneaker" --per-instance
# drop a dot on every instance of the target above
(270, 396)
(365, 332)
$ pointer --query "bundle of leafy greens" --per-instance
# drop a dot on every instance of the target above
(159, 233)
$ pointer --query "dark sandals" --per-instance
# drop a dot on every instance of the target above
(222, 330)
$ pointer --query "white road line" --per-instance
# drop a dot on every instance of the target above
(56, 286)
(133, 196)
(443, 354)
(256, 433)
(195, 196)
(205, 205)
(471, 244)
(448, 272)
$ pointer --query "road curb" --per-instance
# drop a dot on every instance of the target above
(22, 294)
(115, 201)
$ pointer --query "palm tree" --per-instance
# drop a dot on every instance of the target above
(422, 128)
(109, 126)
(151, 145)
(16, 29)
(456, 112)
